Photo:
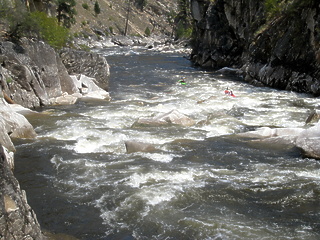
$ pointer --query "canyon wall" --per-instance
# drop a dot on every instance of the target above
(280, 51)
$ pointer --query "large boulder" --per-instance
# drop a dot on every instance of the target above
(309, 141)
(172, 117)
(13, 124)
(313, 117)
(88, 87)
(32, 73)
(17, 219)
(274, 136)
(90, 64)
(267, 132)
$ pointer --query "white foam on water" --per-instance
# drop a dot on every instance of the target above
(159, 157)
(137, 180)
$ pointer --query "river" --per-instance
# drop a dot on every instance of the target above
(205, 182)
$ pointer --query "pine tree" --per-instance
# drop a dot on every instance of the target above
(66, 12)
(97, 9)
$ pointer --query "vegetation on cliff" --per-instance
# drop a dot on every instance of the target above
(18, 21)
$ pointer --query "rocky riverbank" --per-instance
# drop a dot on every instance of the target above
(280, 52)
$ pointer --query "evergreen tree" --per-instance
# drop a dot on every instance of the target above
(97, 9)
(66, 12)
(140, 4)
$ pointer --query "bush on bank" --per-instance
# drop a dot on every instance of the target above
(17, 23)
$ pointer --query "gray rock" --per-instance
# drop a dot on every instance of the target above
(90, 64)
(13, 124)
(17, 219)
(172, 117)
(313, 117)
(135, 146)
(309, 141)
(279, 53)
(32, 73)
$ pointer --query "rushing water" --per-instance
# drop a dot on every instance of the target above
(205, 182)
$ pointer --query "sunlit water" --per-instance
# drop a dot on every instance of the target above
(205, 182)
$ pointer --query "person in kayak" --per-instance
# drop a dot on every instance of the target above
(182, 81)
(229, 92)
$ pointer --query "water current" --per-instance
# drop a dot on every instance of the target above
(205, 182)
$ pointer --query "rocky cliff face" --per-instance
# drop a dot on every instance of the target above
(282, 52)
(17, 219)
(32, 73)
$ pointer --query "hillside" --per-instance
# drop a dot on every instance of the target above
(113, 15)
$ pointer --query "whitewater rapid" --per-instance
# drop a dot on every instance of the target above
(203, 183)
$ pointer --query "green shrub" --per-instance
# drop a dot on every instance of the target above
(147, 32)
(183, 32)
(273, 8)
(85, 6)
(111, 29)
(50, 31)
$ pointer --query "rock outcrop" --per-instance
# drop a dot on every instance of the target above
(86, 63)
(13, 124)
(281, 52)
(17, 219)
(32, 74)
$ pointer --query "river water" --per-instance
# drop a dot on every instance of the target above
(205, 182)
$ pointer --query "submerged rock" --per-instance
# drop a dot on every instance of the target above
(172, 117)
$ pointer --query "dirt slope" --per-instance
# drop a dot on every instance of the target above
(113, 15)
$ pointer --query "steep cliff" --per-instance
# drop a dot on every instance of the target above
(32, 73)
(280, 51)
(17, 219)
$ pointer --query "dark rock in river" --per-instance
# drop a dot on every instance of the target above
(281, 53)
